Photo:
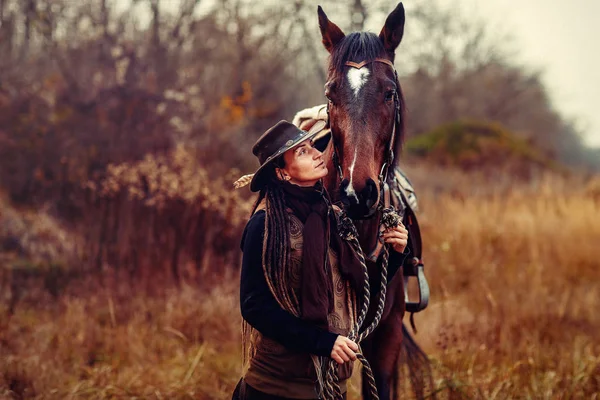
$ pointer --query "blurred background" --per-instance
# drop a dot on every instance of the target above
(123, 124)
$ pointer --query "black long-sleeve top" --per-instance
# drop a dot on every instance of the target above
(261, 310)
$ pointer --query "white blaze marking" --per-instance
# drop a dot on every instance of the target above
(357, 78)
(350, 192)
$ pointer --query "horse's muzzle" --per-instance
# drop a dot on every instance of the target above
(362, 204)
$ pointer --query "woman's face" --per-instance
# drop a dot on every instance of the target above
(304, 164)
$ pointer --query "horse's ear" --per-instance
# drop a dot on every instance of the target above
(391, 34)
(330, 32)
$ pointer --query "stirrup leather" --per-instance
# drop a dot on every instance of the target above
(405, 199)
(417, 271)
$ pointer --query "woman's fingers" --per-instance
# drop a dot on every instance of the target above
(350, 353)
(393, 236)
(337, 358)
(382, 228)
(340, 356)
(396, 237)
(345, 355)
(397, 229)
(396, 241)
(352, 344)
(344, 350)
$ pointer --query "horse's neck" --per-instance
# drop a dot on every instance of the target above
(368, 228)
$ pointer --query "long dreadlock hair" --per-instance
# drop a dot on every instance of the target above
(276, 249)
(275, 253)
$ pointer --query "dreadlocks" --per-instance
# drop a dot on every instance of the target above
(276, 251)
(275, 254)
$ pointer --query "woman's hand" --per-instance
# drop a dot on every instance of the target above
(397, 237)
(344, 350)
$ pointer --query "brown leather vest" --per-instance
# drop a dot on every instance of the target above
(278, 371)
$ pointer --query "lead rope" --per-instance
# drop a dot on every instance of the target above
(347, 231)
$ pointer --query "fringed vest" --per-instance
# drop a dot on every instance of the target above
(278, 371)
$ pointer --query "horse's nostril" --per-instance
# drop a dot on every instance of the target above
(370, 193)
(372, 186)
(348, 194)
(370, 203)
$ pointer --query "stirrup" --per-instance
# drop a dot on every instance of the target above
(418, 271)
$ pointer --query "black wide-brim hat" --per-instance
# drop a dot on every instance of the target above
(278, 139)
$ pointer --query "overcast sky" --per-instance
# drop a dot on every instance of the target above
(561, 38)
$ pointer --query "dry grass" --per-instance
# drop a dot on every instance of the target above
(516, 286)
(515, 282)
(180, 344)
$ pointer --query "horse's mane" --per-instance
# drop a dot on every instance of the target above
(366, 46)
(357, 47)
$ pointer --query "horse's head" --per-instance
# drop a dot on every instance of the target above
(365, 107)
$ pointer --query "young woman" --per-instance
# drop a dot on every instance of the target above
(300, 281)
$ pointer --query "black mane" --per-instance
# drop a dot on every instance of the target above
(356, 47)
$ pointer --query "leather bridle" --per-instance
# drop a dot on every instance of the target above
(395, 127)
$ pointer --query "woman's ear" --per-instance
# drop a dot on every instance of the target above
(281, 174)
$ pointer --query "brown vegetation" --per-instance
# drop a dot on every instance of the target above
(515, 289)
(122, 129)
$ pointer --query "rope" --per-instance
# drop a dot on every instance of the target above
(347, 231)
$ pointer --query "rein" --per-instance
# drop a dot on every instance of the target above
(348, 232)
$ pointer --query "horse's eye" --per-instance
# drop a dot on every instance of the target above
(329, 87)
(389, 95)
(328, 97)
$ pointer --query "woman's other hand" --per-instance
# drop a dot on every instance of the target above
(344, 350)
(397, 237)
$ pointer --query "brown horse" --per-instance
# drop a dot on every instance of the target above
(366, 116)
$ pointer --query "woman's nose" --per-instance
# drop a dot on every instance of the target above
(317, 153)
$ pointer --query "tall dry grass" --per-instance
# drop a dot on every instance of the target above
(515, 281)
(516, 288)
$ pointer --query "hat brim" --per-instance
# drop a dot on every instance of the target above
(259, 178)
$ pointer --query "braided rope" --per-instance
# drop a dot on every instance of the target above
(348, 232)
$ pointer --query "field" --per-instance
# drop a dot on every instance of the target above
(515, 280)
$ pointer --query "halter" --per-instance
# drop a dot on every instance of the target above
(390, 153)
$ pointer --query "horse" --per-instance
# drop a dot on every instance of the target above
(366, 113)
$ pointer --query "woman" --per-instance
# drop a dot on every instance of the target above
(300, 281)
